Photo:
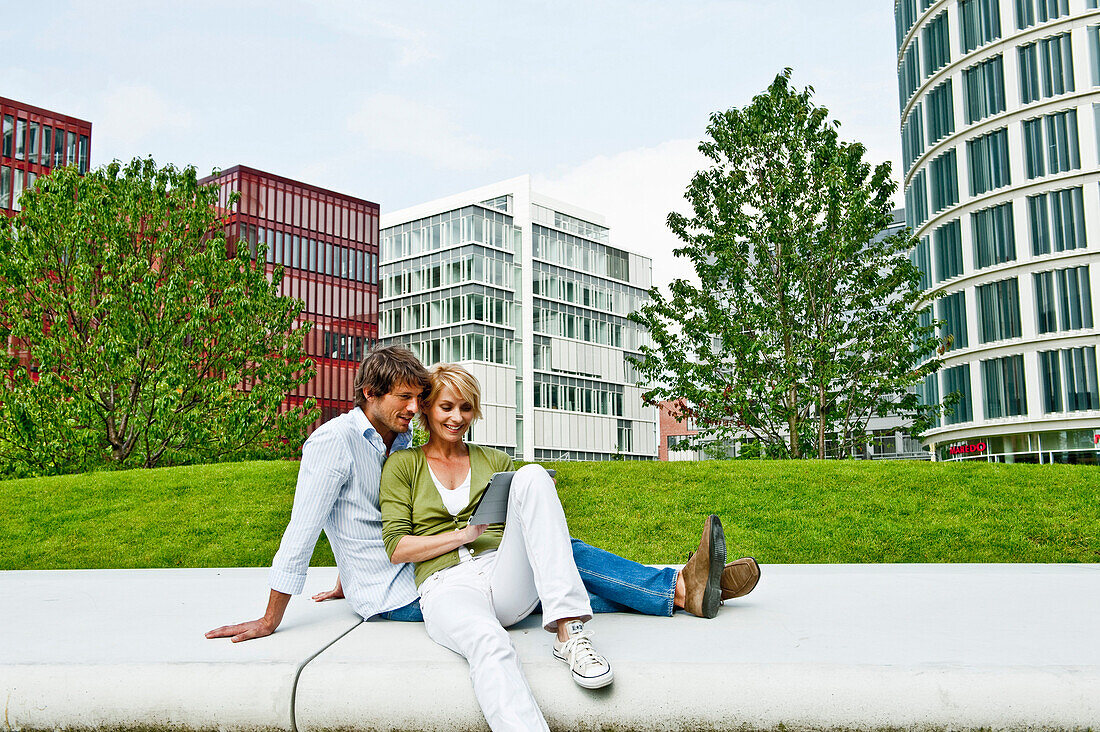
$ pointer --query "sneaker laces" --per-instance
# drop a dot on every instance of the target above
(580, 651)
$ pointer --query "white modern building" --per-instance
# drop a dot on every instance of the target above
(528, 293)
(1000, 125)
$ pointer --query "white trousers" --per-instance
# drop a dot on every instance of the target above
(467, 607)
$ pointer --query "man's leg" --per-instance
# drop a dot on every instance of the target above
(619, 584)
(406, 613)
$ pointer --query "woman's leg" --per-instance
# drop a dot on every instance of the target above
(535, 560)
(623, 584)
(458, 614)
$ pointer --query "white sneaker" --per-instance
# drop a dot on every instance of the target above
(590, 669)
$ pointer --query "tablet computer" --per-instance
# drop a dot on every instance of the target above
(493, 506)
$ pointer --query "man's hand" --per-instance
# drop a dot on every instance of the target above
(276, 606)
(243, 631)
(336, 593)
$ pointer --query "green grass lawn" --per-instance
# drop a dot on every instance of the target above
(780, 512)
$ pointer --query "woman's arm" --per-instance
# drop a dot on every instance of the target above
(421, 548)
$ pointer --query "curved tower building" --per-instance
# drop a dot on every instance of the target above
(1000, 126)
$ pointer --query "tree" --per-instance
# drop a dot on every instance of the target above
(134, 337)
(803, 323)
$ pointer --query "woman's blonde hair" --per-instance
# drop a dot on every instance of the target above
(459, 380)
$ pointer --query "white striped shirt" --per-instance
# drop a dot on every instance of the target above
(338, 484)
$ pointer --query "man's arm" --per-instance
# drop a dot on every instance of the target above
(322, 474)
(276, 606)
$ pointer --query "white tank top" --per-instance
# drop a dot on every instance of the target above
(454, 501)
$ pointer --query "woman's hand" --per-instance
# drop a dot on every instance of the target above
(336, 593)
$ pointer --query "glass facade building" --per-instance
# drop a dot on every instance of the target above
(1000, 128)
(530, 295)
(327, 243)
(33, 142)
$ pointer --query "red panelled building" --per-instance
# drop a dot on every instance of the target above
(328, 245)
(34, 142)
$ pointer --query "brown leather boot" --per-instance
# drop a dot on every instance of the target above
(739, 578)
(703, 572)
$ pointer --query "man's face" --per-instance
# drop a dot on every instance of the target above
(393, 412)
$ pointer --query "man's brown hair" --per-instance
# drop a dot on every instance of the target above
(384, 368)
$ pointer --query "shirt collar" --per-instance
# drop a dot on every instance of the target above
(363, 425)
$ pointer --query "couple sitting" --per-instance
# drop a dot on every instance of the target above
(473, 580)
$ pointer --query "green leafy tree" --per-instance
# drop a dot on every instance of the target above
(803, 323)
(134, 337)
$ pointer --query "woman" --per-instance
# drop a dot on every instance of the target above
(476, 580)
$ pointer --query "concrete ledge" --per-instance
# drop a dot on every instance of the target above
(825, 646)
(125, 648)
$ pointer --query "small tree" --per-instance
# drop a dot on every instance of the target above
(804, 322)
(133, 338)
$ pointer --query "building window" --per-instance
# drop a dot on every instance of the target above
(909, 73)
(1094, 53)
(20, 138)
(912, 137)
(984, 85)
(1046, 318)
(1050, 381)
(1079, 377)
(1030, 12)
(937, 44)
(9, 131)
(1003, 381)
(987, 157)
(916, 201)
(1063, 300)
(1063, 152)
(920, 258)
(952, 311)
(1076, 370)
(904, 17)
(999, 310)
(980, 22)
(16, 188)
(47, 145)
(994, 235)
(941, 112)
(1074, 298)
(1046, 68)
(956, 380)
(947, 241)
(5, 187)
(1051, 144)
(928, 393)
(82, 160)
(945, 181)
(625, 441)
(1056, 220)
(58, 148)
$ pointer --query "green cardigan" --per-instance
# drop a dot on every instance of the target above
(411, 504)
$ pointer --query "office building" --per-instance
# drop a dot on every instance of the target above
(327, 243)
(34, 142)
(1000, 127)
(530, 295)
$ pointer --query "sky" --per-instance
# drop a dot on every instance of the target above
(602, 102)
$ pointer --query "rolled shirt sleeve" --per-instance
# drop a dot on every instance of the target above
(324, 471)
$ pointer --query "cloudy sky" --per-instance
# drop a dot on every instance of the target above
(603, 103)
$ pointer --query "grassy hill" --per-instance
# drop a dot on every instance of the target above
(779, 512)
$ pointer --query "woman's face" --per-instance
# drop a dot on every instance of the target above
(449, 417)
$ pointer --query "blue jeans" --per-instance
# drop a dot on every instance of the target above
(614, 585)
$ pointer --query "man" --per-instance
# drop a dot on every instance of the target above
(337, 491)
